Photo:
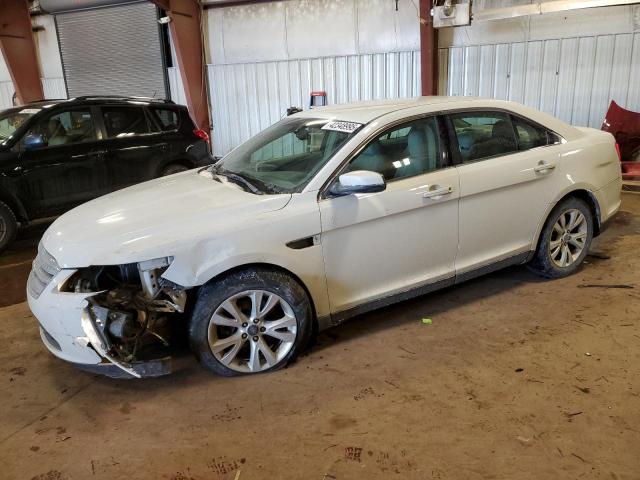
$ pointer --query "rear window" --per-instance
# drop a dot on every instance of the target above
(124, 121)
(167, 119)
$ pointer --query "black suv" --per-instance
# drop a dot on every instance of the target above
(56, 154)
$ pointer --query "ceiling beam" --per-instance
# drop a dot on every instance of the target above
(186, 33)
(19, 50)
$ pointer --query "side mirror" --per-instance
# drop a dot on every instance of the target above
(359, 181)
(33, 141)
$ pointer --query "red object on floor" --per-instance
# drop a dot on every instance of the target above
(624, 125)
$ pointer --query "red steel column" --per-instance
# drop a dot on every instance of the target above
(19, 50)
(187, 38)
(428, 50)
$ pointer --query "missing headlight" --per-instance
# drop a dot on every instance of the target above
(134, 309)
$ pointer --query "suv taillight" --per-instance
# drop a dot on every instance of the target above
(201, 134)
(618, 152)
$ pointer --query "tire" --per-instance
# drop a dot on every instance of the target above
(8, 226)
(173, 168)
(551, 260)
(281, 298)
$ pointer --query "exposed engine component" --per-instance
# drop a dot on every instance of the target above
(133, 308)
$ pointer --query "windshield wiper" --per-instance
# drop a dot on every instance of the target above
(238, 179)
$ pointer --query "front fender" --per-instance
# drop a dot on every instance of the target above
(267, 242)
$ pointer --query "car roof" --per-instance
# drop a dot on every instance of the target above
(366, 111)
(98, 99)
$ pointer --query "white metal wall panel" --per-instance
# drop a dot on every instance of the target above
(584, 80)
(176, 87)
(249, 97)
(516, 76)
(567, 79)
(533, 74)
(572, 78)
(501, 80)
(550, 73)
(601, 79)
(114, 50)
(621, 68)
(53, 88)
(633, 96)
(6, 94)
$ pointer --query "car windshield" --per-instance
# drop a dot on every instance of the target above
(11, 120)
(285, 157)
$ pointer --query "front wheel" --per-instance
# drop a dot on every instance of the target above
(250, 321)
(565, 239)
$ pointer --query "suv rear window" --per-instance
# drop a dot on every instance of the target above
(124, 121)
(167, 119)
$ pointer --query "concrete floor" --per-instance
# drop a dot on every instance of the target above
(516, 378)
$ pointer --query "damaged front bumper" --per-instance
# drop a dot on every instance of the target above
(69, 330)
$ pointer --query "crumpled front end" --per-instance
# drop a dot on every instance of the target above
(114, 320)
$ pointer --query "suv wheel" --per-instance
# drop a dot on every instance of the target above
(8, 226)
(251, 321)
(565, 239)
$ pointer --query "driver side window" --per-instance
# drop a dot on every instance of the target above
(405, 151)
(72, 126)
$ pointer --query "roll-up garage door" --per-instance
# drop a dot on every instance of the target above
(112, 51)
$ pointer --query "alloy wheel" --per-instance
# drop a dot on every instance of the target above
(568, 238)
(252, 331)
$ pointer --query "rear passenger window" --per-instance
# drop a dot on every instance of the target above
(405, 151)
(124, 121)
(167, 119)
(529, 135)
(484, 134)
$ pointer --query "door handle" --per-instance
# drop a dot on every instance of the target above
(437, 191)
(544, 167)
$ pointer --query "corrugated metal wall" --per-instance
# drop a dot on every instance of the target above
(264, 58)
(249, 97)
(53, 88)
(571, 78)
(176, 88)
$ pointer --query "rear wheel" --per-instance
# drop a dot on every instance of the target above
(8, 226)
(565, 239)
(173, 168)
(251, 321)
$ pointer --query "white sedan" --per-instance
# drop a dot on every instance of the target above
(327, 214)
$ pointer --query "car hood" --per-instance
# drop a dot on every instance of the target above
(153, 219)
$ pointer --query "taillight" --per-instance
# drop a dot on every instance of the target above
(618, 152)
(201, 134)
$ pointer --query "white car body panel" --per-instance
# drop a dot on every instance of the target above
(365, 256)
(364, 248)
(496, 196)
(162, 217)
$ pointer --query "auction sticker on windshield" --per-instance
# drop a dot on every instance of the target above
(340, 126)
